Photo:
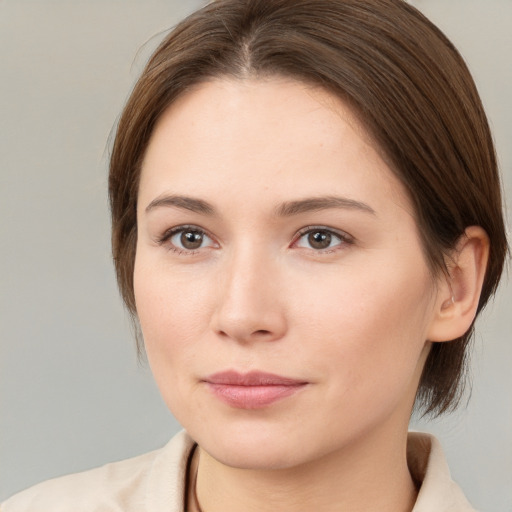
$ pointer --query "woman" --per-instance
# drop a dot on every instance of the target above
(306, 221)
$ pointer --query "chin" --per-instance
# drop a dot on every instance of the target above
(255, 457)
(244, 446)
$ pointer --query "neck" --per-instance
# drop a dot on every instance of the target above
(370, 474)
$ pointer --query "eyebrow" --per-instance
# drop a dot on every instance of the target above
(286, 209)
(186, 203)
(312, 204)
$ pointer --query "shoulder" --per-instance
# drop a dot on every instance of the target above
(120, 486)
(428, 466)
(96, 489)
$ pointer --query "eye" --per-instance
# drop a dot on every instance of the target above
(320, 239)
(186, 238)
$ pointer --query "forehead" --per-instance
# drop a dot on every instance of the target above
(266, 138)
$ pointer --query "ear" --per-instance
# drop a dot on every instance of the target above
(459, 291)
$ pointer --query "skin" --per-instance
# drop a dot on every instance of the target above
(351, 320)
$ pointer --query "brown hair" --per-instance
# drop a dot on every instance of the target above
(401, 75)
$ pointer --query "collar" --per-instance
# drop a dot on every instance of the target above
(427, 464)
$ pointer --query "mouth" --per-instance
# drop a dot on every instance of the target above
(253, 390)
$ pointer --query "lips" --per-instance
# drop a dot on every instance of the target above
(253, 390)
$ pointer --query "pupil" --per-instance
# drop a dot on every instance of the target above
(319, 240)
(191, 239)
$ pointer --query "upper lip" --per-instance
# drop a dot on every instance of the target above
(252, 378)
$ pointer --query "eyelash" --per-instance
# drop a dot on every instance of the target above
(166, 237)
(344, 238)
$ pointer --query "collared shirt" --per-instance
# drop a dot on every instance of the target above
(155, 482)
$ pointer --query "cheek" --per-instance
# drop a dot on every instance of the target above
(355, 301)
(371, 330)
(170, 302)
(173, 316)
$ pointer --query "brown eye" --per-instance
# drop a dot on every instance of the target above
(191, 239)
(319, 239)
(185, 239)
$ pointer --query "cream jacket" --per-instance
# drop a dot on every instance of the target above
(155, 482)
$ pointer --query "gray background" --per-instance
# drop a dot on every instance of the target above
(72, 393)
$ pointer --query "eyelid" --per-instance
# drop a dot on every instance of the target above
(169, 233)
(344, 237)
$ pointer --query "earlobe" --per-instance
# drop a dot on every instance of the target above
(459, 291)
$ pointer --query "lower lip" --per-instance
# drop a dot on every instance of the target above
(253, 397)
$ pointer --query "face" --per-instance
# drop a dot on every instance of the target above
(280, 282)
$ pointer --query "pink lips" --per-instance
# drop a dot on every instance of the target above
(252, 390)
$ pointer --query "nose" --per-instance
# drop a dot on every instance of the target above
(250, 306)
